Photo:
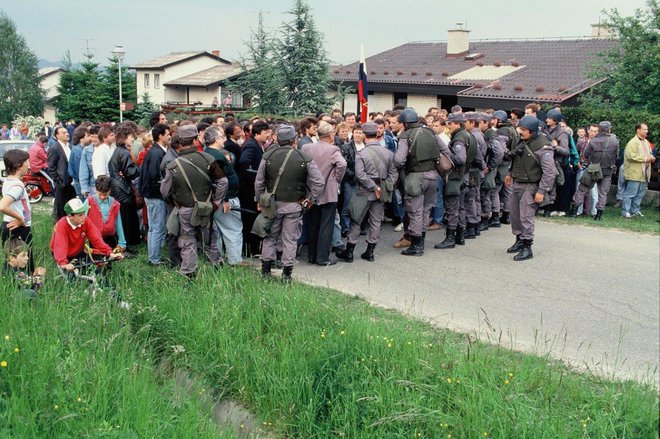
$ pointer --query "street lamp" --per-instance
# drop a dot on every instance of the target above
(119, 52)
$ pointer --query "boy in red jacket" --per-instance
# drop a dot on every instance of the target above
(71, 233)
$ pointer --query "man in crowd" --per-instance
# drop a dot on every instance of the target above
(80, 141)
(85, 170)
(417, 153)
(39, 158)
(475, 166)
(102, 154)
(58, 168)
(332, 165)
(601, 150)
(374, 166)
(227, 218)
(194, 178)
(532, 177)
(636, 171)
(150, 179)
(309, 130)
(296, 183)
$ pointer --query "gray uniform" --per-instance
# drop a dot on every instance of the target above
(504, 192)
(522, 206)
(287, 225)
(373, 164)
(187, 241)
(419, 207)
(490, 198)
(458, 155)
(562, 150)
(601, 149)
(472, 198)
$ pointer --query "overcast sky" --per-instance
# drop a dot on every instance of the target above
(148, 28)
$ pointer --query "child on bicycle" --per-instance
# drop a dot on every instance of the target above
(16, 258)
(104, 213)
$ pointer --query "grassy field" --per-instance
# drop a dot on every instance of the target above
(307, 362)
(612, 219)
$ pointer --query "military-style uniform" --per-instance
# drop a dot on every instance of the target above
(300, 173)
(493, 159)
(175, 187)
(373, 164)
(502, 195)
(601, 149)
(474, 180)
(417, 152)
(531, 175)
(562, 151)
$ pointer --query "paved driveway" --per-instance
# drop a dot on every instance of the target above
(590, 297)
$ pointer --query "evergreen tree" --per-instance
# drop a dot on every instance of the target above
(143, 110)
(109, 91)
(262, 82)
(78, 97)
(633, 68)
(303, 63)
(20, 84)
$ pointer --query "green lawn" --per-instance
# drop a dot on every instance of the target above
(308, 362)
(612, 219)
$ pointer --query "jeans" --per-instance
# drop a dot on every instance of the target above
(632, 196)
(336, 232)
(620, 185)
(230, 229)
(157, 214)
(439, 210)
(347, 191)
(593, 194)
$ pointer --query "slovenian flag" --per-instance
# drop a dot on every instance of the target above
(363, 105)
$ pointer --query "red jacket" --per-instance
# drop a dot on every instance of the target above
(68, 242)
(108, 228)
(38, 157)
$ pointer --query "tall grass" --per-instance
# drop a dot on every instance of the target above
(309, 362)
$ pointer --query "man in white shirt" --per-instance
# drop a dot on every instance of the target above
(58, 168)
(103, 152)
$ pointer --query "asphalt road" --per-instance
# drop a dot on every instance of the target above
(589, 297)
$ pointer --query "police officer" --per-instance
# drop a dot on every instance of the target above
(191, 178)
(532, 177)
(296, 172)
(502, 195)
(496, 146)
(475, 176)
(374, 164)
(455, 187)
(601, 149)
(558, 136)
(417, 153)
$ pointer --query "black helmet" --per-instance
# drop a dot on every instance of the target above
(501, 115)
(529, 122)
(554, 114)
(408, 115)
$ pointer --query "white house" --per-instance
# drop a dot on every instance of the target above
(186, 78)
(50, 78)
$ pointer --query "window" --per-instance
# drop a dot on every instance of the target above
(401, 98)
(156, 80)
(146, 80)
(232, 99)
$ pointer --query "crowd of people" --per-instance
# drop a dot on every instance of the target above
(232, 189)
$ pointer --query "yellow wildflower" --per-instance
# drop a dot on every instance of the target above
(448, 380)
(17, 350)
(506, 381)
(3, 363)
(342, 333)
(6, 337)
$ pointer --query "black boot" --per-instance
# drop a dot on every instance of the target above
(415, 248)
(286, 275)
(505, 218)
(346, 255)
(460, 237)
(368, 255)
(494, 220)
(599, 213)
(470, 231)
(265, 269)
(423, 240)
(546, 213)
(450, 240)
(278, 260)
(483, 225)
(572, 212)
(525, 251)
(517, 246)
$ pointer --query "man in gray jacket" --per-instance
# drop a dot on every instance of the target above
(374, 165)
(321, 217)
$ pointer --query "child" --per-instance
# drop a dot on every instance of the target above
(72, 232)
(104, 213)
(16, 253)
(15, 203)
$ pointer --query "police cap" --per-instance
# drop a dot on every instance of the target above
(370, 129)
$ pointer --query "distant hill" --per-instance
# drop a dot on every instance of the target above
(45, 63)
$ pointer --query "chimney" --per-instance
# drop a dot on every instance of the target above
(458, 42)
(215, 53)
(600, 31)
